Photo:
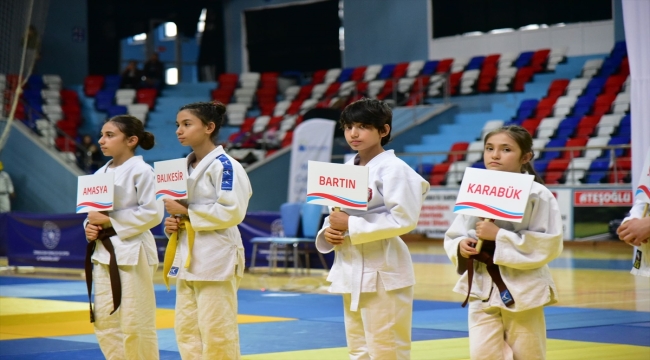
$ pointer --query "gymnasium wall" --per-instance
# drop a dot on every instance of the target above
(43, 183)
(587, 38)
(64, 45)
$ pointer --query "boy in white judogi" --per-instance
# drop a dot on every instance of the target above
(372, 267)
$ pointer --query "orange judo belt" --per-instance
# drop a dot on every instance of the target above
(113, 272)
(486, 256)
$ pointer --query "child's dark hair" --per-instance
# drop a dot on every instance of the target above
(371, 112)
(208, 112)
(525, 141)
(132, 126)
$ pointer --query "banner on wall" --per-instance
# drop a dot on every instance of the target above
(46, 240)
(312, 140)
(437, 213)
(599, 198)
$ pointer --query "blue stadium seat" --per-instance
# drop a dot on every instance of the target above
(475, 63)
(583, 105)
(112, 82)
(554, 154)
(386, 72)
(624, 131)
(617, 140)
(526, 109)
(620, 47)
(35, 82)
(524, 59)
(116, 110)
(429, 67)
(479, 165)
(540, 166)
(104, 99)
(597, 171)
(595, 86)
(567, 127)
(345, 75)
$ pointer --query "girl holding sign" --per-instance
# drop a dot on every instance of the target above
(522, 252)
(128, 331)
(208, 259)
(372, 267)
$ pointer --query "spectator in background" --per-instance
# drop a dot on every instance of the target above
(89, 158)
(6, 190)
(131, 76)
(154, 72)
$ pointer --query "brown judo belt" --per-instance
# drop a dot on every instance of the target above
(486, 256)
(114, 274)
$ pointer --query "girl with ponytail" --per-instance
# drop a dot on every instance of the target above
(121, 253)
(205, 251)
(513, 326)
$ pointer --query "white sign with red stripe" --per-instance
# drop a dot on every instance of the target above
(494, 194)
(337, 185)
(171, 179)
(95, 192)
(586, 198)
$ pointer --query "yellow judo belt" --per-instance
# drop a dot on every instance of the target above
(170, 251)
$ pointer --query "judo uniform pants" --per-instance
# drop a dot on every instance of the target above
(381, 328)
(500, 334)
(130, 333)
(206, 319)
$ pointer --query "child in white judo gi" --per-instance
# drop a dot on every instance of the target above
(635, 229)
(208, 258)
(372, 267)
(128, 332)
(521, 251)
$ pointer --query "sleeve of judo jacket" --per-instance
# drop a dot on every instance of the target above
(230, 207)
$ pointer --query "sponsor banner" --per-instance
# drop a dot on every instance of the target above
(171, 179)
(337, 185)
(494, 194)
(312, 140)
(437, 213)
(586, 198)
(46, 240)
(95, 192)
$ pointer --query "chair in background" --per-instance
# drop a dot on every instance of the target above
(292, 215)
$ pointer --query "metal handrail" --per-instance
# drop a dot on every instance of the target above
(571, 149)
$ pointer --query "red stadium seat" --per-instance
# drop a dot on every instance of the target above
(444, 66)
(92, 84)
(318, 77)
(400, 70)
(578, 142)
(358, 73)
(531, 125)
(459, 146)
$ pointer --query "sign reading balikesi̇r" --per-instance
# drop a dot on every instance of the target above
(171, 179)
(95, 192)
(337, 185)
(497, 195)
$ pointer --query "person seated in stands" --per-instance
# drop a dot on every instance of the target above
(154, 72)
(88, 158)
(131, 76)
